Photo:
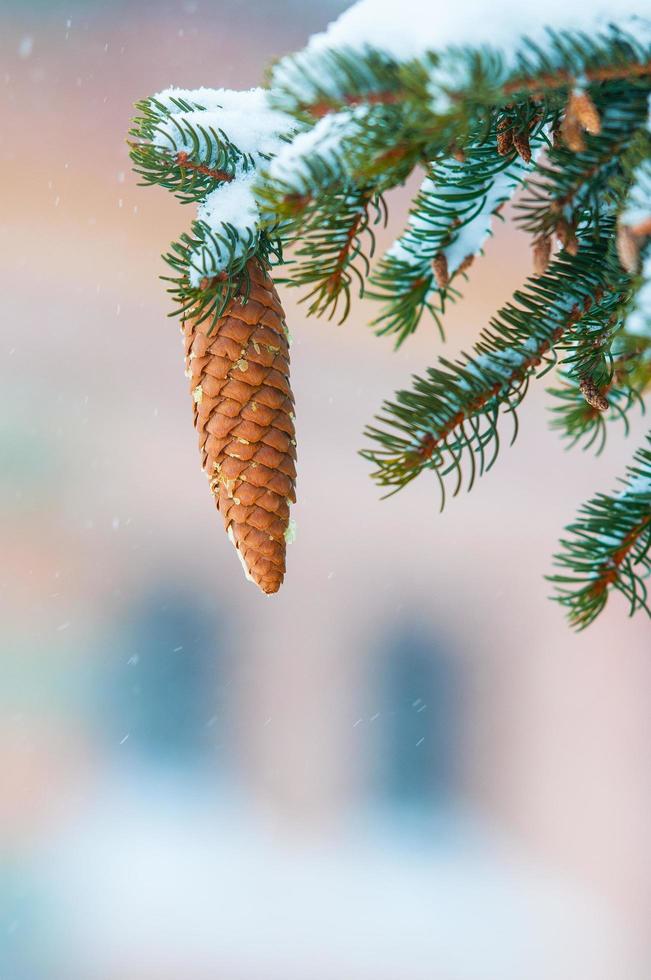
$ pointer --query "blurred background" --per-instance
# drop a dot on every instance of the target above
(402, 766)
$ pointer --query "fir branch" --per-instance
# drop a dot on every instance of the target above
(609, 548)
(336, 244)
(450, 217)
(169, 146)
(205, 295)
(569, 187)
(582, 423)
(341, 127)
(536, 87)
(347, 79)
(185, 163)
(454, 411)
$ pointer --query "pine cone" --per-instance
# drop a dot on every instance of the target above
(593, 395)
(243, 412)
(522, 145)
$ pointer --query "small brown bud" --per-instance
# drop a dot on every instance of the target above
(572, 246)
(581, 106)
(457, 153)
(628, 249)
(581, 117)
(504, 137)
(567, 237)
(521, 143)
(467, 262)
(542, 250)
(572, 133)
(440, 268)
(593, 396)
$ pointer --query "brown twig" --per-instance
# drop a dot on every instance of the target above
(429, 442)
(331, 284)
(184, 161)
(608, 571)
(533, 85)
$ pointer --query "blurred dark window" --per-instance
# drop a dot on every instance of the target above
(169, 679)
(418, 724)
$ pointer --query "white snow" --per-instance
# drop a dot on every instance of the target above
(246, 118)
(232, 204)
(231, 538)
(472, 236)
(469, 238)
(638, 322)
(290, 531)
(410, 28)
(639, 483)
(325, 138)
(413, 28)
(404, 31)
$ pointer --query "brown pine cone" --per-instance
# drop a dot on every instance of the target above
(593, 395)
(522, 145)
(243, 412)
(504, 136)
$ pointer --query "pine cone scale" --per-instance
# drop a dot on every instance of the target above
(243, 413)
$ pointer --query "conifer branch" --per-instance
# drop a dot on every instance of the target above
(184, 162)
(297, 174)
(607, 57)
(609, 548)
(418, 426)
(449, 220)
(335, 250)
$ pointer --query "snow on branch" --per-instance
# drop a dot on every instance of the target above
(484, 97)
(382, 32)
(609, 548)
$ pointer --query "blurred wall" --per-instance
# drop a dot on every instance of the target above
(404, 763)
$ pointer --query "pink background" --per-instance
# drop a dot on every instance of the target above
(405, 764)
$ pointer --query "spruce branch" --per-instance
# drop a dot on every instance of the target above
(313, 84)
(608, 548)
(584, 422)
(535, 86)
(170, 147)
(448, 223)
(208, 296)
(454, 411)
(334, 249)
(296, 175)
